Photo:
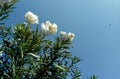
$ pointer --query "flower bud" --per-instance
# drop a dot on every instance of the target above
(71, 36)
(63, 34)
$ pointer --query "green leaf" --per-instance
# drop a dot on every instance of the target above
(60, 67)
(93, 77)
(1, 62)
(22, 55)
(36, 32)
(13, 68)
(2, 77)
(33, 55)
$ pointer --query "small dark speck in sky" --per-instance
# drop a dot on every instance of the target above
(109, 25)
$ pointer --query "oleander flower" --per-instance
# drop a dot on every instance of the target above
(52, 28)
(71, 36)
(49, 27)
(63, 34)
(44, 28)
(31, 18)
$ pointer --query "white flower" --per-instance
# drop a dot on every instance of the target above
(71, 36)
(63, 34)
(48, 23)
(31, 18)
(44, 28)
(52, 29)
(49, 27)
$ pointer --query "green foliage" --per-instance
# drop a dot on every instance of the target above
(5, 9)
(93, 77)
(28, 54)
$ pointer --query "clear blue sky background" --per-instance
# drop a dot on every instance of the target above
(97, 43)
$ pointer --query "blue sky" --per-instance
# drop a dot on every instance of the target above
(97, 43)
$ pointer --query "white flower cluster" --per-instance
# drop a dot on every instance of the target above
(69, 36)
(31, 18)
(49, 28)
